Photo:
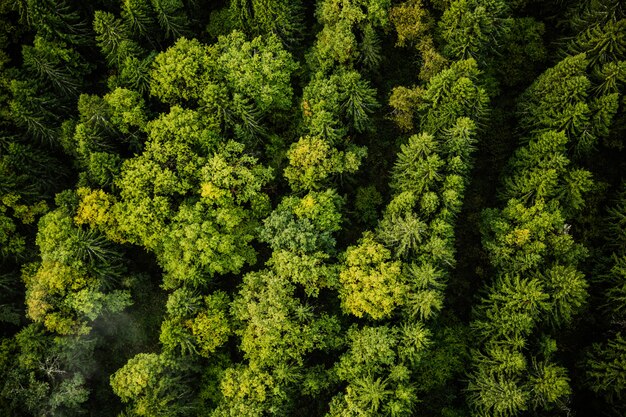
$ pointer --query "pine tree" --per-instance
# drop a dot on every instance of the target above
(114, 38)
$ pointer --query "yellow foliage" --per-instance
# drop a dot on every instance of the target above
(411, 20)
(57, 323)
(50, 281)
(97, 209)
(36, 305)
(211, 330)
(246, 384)
(212, 192)
(518, 237)
(371, 284)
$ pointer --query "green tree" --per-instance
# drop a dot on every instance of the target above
(605, 365)
(312, 162)
(560, 99)
(195, 324)
(152, 385)
(470, 27)
(370, 281)
(114, 38)
(284, 18)
(454, 92)
(304, 225)
(74, 284)
(343, 99)
(212, 235)
(45, 375)
(56, 20)
(242, 84)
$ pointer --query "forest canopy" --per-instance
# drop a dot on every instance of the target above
(330, 208)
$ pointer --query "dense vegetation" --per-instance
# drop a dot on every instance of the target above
(333, 208)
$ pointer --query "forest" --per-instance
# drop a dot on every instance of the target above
(329, 208)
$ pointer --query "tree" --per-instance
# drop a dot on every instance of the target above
(195, 324)
(304, 225)
(453, 93)
(210, 231)
(559, 99)
(171, 16)
(343, 23)
(541, 170)
(534, 256)
(279, 330)
(469, 27)
(601, 43)
(69, 288)
(114, 38)
(152, 384)
(412, 21)
(181, 72)
(524, 238)
(312, 162)
(376, 351)
(370, 282)
(276, 321)
(605, 359)
(139, 16)
(605, 368)
(56, 20)
(45, 375)
(283, 18)
(54, 65)
(414, 26)
(239, 82)
(496, 395)
(343, 99)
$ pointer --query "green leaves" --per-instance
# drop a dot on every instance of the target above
(239, 83)
(114, 38)
(258, 70)
(258, 291)
(181, 72)
(152, 385)
(417, 165)
(521, 239)
(451, 94)
(374, 351)
(601, 43)
(497, 395)
(550, 384)
(605, 365)
(537, 281)
(209, 232)
(68, 289)
(469, 27)
(275, 321)
(344, 21)
(55, 20)
(304, 225)
(313, 162)
(195, 324)
(560, 100)
(283, 18)
(344, 98)
(370, 282)
(512, 310)
(54, 65)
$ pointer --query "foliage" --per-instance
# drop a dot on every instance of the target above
(337, 208)
(370, 284)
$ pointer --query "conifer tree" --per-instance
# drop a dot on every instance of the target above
(533, 253)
